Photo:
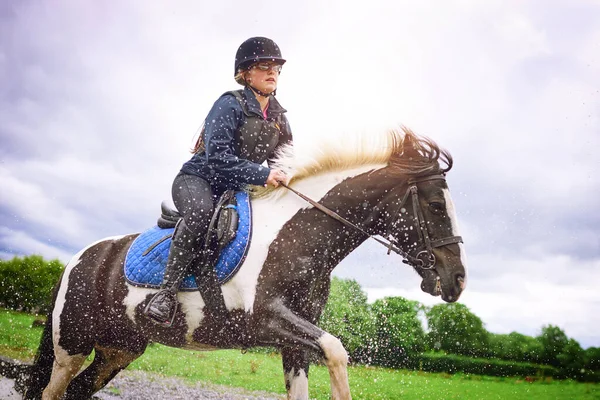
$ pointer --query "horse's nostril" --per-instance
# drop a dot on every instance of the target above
(460, 280)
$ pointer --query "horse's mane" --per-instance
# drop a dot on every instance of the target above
(387, 149)
(424, 159)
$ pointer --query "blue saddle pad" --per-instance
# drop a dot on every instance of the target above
(147, 257)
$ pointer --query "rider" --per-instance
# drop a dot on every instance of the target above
(243, 129)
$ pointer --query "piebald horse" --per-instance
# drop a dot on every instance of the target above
(393, 189)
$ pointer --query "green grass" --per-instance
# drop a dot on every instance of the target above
(258, 371)
(17, 339)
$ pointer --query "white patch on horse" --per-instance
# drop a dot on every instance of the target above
(298, 384)
(191, 306)
(269, 214)
(64, 285)
(135, 296)
(455, 231)
(335, 353)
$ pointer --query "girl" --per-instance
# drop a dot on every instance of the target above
(243, 129)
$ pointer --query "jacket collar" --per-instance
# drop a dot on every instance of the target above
(274, 110)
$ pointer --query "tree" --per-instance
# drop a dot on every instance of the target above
(592, 359)
(553, 341)
(400, 335)
(572, 359)
(455, 329)
(347, 316)
(515, 346)
(26, 283)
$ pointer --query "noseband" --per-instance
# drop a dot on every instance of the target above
(424, 259)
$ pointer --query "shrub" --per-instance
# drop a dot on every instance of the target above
(438, 362)
(26, 283)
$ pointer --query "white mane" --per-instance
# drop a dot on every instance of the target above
(311, 159)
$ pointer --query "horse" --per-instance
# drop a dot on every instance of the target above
(393, 189)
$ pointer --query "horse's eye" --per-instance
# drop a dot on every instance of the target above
(436, 207)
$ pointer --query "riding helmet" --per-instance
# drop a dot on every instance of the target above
(254, 50)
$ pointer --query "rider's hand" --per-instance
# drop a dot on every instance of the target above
(276, 176)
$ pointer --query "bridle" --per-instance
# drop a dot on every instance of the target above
(424, 258)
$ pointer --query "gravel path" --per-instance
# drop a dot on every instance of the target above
(137, 385)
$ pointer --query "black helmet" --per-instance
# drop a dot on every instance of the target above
(257, 49)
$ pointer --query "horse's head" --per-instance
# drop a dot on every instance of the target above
(407, 201)
(420, 219)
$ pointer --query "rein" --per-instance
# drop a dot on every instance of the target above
(424, 259)
(391, 246)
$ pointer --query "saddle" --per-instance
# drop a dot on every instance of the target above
(228, 237)
(223, 224)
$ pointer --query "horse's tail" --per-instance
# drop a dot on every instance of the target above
(41, 370)
(13, 369)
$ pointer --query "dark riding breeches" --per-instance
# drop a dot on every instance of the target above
(193, 198)
(195, 201)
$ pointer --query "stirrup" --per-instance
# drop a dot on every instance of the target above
(156, 315)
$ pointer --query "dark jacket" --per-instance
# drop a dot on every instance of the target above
(238, 140)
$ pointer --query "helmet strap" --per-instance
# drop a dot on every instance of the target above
(263, 94)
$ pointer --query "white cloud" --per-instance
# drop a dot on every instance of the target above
(22, 244)
(28, 201)
(522, 38)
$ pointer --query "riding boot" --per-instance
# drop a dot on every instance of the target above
(210, 289)
(162, 307)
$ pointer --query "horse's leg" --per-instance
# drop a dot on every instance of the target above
(336, 359)
(276, 324)
(295, 369)
(72, 341)
(107, 363)
(64, 369)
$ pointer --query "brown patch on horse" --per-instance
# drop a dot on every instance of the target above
(89, 311)
(234, 334)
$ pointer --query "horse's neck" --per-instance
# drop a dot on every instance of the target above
(358, 200)
(317, 241)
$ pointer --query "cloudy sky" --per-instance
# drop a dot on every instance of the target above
(99, 103)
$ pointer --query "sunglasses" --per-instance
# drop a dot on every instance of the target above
(263, 66)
